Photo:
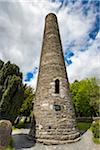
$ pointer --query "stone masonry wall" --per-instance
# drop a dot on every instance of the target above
(54, 113)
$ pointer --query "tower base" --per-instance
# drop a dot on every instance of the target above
(56, 142)
(58, 139)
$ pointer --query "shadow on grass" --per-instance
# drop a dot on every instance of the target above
(22, 141)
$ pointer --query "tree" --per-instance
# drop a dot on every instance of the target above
(27, 106)
(11, 91)
(94, 94)
(85, 96)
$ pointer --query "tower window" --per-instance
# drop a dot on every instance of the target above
(57, 86)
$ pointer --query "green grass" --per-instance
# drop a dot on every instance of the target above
(14, 128)
(83, 125)
(96, 140)
(9, 148)
(20, 125)
(87, 126)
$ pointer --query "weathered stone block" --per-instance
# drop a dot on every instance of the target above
(5, 133)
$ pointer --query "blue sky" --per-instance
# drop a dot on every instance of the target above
(21, 33)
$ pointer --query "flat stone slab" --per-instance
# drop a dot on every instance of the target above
(22, 142)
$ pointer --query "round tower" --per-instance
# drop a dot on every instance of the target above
(53, 109)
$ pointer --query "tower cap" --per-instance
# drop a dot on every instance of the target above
(51, 15)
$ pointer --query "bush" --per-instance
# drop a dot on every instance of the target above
(96, 129)
(85, 96)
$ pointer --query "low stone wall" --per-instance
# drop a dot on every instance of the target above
(84, 119)
(96, 118)
(5, 133)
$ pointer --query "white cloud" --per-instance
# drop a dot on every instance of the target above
(86, 64)
(21, 32)
(74, 26)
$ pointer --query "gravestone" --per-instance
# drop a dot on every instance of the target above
(5, 133)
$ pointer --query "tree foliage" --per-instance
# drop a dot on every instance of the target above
(96, 129)
(85, 96)
(11, 90)
(27, 106)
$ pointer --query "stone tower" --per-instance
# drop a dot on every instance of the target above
(53, 110)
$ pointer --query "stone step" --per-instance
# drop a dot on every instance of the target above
(57, 137)
(53, 132)
(56, 142)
